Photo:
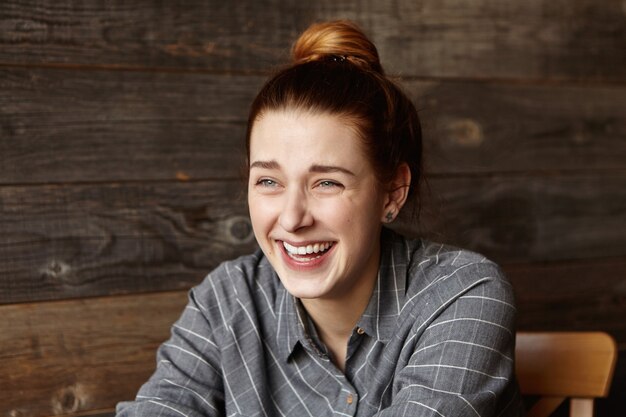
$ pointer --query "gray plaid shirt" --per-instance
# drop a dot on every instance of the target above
(436, 339)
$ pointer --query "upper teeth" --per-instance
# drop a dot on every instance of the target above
(308, 249)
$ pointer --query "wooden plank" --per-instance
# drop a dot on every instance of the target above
(513, 128)
(80, 357)
(527, 219)
(86, 240)
(78, 241)
(77, 126)
(540, 39)
(573, 295)
(537, 39)
(60, 126)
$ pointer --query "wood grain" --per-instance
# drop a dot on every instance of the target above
(82, 126)
(540, 39)
(512, 128)
(78, 241)
(527, 219)
(80, 357)
(574, 295)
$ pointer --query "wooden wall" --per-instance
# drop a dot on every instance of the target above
(121, 127)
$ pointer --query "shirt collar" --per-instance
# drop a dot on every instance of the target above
(290, 329)
(295, 327)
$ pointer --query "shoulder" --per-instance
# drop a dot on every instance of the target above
(438, 275)
(435, 261)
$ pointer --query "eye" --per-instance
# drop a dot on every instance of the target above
(328, 184)
(266, 182)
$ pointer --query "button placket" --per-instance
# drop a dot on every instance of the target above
(348, 399)
(351, 403)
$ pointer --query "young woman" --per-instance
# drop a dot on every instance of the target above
(336, 314)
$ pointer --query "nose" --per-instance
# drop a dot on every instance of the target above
(295, 213)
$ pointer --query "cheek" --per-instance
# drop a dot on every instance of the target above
(263, 211)
(363, 209)
(336, 211)
(256, 210)
(261, 225)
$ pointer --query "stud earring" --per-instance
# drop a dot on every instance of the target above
(389, 216)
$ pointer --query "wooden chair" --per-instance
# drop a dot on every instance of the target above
(560, 365)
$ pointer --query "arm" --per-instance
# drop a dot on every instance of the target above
(462, 362)
(188, 377)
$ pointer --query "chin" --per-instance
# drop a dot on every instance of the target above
(303, 287)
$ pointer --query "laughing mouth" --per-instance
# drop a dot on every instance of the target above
(307, 252)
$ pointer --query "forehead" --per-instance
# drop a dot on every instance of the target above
(302, 136)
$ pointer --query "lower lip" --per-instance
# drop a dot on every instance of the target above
(314, 263)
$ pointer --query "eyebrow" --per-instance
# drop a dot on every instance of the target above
(265, 164)
(320, 169)
(325, 169)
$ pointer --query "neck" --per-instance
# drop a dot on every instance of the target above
(335, 319)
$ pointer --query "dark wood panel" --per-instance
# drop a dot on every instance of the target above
(85, 240)
(573, 295)
(563, 39)
(78, 241)
(547, 40)
(205, 35)
(490, 127)
(80, 357)
(59, 125)
(528, 219)
(75, 126)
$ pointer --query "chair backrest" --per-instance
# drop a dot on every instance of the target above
(560, 365)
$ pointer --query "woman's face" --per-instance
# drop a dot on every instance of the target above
(315, 203)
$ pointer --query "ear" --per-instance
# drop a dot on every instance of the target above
(397, 193)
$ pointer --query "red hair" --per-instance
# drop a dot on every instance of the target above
(336, 70)
(340, 38)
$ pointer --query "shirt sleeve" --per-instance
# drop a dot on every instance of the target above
(188, 378)
(462, 363)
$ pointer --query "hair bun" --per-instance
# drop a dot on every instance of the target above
(339, 38)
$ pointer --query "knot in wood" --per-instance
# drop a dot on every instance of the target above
(466, 133)
(182, 176)
(56, 269)
(580, 135)
(69, 399)
(239, 229)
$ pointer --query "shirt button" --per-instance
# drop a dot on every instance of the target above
(349, 399)
(360, 330)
